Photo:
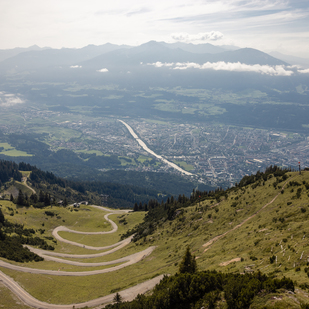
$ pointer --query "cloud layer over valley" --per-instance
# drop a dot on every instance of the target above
(278, 70)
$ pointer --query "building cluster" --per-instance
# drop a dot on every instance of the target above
(214, 153)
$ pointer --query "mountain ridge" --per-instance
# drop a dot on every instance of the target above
(109, 54)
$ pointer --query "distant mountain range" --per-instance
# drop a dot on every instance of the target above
(94, 50)
(136, 81)
(291, 59)
(32, 58)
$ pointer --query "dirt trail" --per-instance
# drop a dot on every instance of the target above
(24, 181)
(230, 261)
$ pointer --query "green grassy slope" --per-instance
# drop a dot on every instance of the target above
(262, 226)
(253, 232)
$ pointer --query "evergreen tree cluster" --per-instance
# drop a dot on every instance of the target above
(9, 170)
(204, 289)
(271, 170)
(37, 201)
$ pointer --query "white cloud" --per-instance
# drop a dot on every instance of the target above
(159, 64)
(278, 70)
(9, 99)
(197, 38)
(104, 70)
(304, 71)
(75, 66)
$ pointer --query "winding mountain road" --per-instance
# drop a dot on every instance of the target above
(127, 294)
(63, 228)
(131, 259)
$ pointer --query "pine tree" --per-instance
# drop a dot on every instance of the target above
(20, 198)
(117, 298)
(1, 217)
(135, 208)
(188, 263)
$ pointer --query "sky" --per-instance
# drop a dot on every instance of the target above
(267, 25)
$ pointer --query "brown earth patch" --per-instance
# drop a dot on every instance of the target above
(230, 261)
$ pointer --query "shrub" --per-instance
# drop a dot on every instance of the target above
(49, 213)
(272, 259)
(253, 258)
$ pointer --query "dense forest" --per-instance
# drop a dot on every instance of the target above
(50, 188)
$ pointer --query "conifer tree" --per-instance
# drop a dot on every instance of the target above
(188, 263)
(117, 298)
(1, 217)
(135, 208)
(20, 198)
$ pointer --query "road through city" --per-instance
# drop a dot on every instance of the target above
(144, 146)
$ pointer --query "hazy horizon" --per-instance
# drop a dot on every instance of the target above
(267, 25)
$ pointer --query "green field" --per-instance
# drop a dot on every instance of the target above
(11, 151)
(184, 165)
(142, 158)
(96, 152)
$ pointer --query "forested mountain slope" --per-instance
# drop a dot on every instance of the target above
(46, 188)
